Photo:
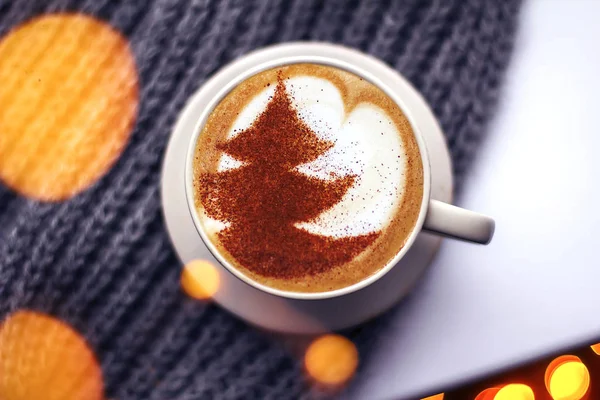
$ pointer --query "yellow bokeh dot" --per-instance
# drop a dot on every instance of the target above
(331, 359)
(567, 378)
(43, 358)
(439, 396)
(200, 279)
(68, 101)
(596, 348)
(488, 394)
(515, 391)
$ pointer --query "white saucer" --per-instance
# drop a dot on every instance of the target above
(288, 315)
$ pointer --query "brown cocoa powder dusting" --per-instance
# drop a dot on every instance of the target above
(265, 197)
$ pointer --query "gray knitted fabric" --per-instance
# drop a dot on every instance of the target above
(102, 260)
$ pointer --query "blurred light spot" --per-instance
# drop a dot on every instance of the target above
(567, 378)
(596, 348)
(435, 397)
(515, 391)
(488, 394)
(43, 358)
(331, 359)
(200, 279)
(557, 362)
(69, 96)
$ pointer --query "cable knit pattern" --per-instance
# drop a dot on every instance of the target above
(102, 260)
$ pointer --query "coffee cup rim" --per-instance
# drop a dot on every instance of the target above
(347, 59)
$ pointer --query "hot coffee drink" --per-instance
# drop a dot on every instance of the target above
(307, 178)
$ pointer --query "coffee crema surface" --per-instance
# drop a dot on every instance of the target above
(307, 178)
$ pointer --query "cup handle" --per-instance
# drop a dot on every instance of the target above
(457, 223)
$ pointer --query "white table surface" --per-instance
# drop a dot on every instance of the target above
(535, 289)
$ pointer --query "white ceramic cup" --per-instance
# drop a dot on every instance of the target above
(435, 216)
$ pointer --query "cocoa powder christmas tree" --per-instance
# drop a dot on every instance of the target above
(264, 198)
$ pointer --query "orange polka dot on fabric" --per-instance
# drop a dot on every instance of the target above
(68, 101)
(43, 358)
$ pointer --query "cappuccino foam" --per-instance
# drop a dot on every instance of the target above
(372, 143)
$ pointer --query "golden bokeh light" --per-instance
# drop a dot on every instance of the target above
(596, 348)
(439, 396)
(43, 358)
(331, 359)
(515, 391)
(69, 97)
(567, 378)
(200, 279)
(488, 394)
